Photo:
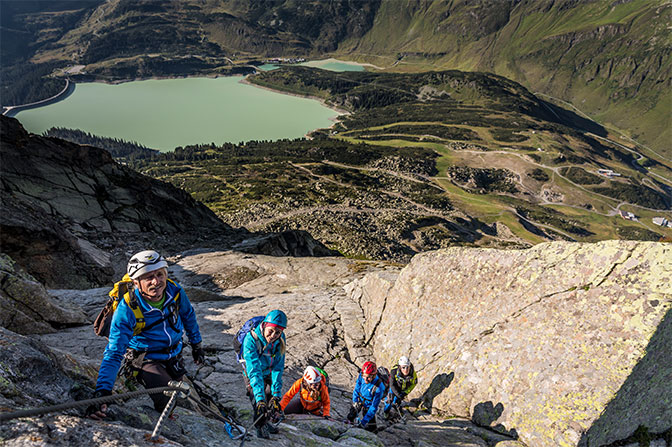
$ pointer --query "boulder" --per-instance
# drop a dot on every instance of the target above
(564, 344)
(27, 308)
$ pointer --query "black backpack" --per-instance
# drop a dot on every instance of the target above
(384, 376)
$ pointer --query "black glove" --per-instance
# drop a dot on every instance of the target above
(352, 414)
(95, 408)
(198, 353)
(260, 411)
(274, 407)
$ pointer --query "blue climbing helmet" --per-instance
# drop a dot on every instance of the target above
(276, 317)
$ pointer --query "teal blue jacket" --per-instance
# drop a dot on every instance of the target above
(263, 359)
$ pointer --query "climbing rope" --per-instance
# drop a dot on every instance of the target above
(83, 403)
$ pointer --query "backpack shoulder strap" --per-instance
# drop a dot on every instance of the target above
(260, 347)
(177, 296)
(378, 383)
(135, 307)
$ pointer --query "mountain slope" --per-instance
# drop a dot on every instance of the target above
(427, 160)
(611, 59)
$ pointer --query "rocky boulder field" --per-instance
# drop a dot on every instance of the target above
(559, 345)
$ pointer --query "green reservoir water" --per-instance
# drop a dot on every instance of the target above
(326, 64)
(334, 65)
(164, 114)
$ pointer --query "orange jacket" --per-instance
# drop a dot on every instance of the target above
(308, 403)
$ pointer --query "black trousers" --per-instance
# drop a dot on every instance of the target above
(157, 373)
(250, 393)
(295, 406)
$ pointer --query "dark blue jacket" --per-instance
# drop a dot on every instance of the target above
(370, 395)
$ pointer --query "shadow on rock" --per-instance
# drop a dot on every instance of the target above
(486, 413)
(439, 383)
(644, 398)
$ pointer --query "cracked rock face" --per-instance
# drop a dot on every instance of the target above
(565, 343)
(562, 344)
(325, 328)
(61, 199)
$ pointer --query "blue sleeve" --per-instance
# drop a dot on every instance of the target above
(121, 331)
(371, 413)
(276, 373)
(189, 318)
(356, 391)
(254, 368)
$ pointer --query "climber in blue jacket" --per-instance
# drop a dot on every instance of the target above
(167, 314)
(369, 391)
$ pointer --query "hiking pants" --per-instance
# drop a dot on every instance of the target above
(267, 388)
(371, 426)
(296, 407)
(157, 373)
(250, 394)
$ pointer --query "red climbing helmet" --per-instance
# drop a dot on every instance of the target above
(369, 368)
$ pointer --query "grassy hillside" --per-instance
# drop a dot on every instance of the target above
(424, 161)
(611, 59)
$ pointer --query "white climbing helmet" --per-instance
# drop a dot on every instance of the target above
(311, 375)
(144, 262)
(404, 361)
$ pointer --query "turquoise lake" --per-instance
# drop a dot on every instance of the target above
(326, 64)
(164, 114)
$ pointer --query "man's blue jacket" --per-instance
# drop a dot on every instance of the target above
(260, 363)
(161, 342)
(370, 395)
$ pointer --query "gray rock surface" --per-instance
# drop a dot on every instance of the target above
(567, 344)
(232, 287)
(27, 308)
(573, 326)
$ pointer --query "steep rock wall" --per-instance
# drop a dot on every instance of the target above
(572, 340)
(64, 205)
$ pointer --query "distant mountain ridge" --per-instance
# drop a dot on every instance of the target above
(610, 58)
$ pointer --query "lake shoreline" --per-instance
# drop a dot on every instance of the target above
(12, 111)
(298, 95)
(220, 110)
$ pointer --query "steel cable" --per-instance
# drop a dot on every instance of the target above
(83, 403)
